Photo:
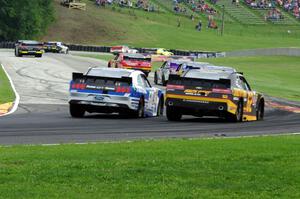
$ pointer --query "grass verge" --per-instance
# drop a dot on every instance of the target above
(6, 92)
(273, 75)
(262, 167)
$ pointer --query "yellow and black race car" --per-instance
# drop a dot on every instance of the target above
(26, 47)
(219, 93)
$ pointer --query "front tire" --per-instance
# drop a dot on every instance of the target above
(260, 111)
(173, 114)
(76, 111)
(155, 78)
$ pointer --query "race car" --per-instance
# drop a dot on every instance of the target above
(162, 51)
(161, 75)
(56, 47)
(111, 90)
(122, 49)
(219, 93)
(27, 47)
(135, 61)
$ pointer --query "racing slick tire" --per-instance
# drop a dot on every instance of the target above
(76, 111)
(238, 116)
(260, 110)
(140, 113)
(146, 74)
(160, 107)
(38, 55)
(163, 80)
(155, 78)
(109, 65)
(173, 114)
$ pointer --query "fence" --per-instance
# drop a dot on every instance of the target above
(106, 49)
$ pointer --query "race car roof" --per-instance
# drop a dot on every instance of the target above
(222, 68)
(208, 74)
(110, 72)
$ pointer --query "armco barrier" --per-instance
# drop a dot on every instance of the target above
(106, 49)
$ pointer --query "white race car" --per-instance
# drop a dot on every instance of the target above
(114, 90)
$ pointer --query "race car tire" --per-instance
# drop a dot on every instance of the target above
(160, 107)
(155, 78)
(238, 116)
(67, 51)
(173, 114)
(146, 74)
(140, 113)
(260, 110)
(163, 80)
(109, 65)
(38, 55)
(76, 111)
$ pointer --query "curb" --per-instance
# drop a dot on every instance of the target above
(10, 107)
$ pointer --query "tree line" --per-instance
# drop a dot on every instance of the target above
(24, 19)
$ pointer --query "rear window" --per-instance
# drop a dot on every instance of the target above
(31, 43)
(108, 73)
(200, 74)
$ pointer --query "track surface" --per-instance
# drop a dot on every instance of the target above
(43, 116)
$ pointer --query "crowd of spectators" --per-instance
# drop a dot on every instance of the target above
(201, 6)
(274, 14)
(178, 7)
(292, 6)
(261, 4)
(139, 4)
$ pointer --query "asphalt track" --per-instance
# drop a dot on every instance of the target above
(43, 117)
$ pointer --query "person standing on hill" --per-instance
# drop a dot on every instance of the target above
(178, 22)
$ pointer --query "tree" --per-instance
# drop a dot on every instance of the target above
(24, 19)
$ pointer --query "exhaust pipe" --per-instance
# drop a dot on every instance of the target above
(170, 103)
(221, 108)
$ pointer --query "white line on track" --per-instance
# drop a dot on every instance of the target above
(17, 100)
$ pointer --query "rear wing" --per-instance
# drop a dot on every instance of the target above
(82, 77)
(198, 82)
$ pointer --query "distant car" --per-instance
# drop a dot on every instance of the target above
(110, 90)
(135, 61)
(56, 47)
(27, 47)
(213, 93)
(122, 49)
(161, 75)
(162, 51)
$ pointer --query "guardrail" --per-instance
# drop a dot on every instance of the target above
(106, 49)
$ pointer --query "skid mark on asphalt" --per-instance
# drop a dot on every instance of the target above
(276, 105)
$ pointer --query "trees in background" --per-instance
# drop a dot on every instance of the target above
(24, 19)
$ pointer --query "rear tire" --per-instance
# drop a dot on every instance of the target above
(160, 108)
(163, 80)
(140, 113)
(173, 114)
(76, 111)
(238, 116)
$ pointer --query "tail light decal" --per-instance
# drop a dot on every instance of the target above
(177, 87)
(122, 89)
(222, 91)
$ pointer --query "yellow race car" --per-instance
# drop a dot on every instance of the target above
(218, 93)
(162, 51)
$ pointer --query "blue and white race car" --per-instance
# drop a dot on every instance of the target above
(114, 90)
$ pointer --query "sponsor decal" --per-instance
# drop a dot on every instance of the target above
(196, 101)
(196, 92)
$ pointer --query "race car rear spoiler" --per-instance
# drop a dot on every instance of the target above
(76, 76)
(178, 80)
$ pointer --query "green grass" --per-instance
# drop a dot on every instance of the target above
(115, 26)
(277, 76)
(6, 92)
(265, 167)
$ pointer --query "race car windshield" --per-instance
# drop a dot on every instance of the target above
(197, 74)
(127, 58)
(108, 73)
(31, 43)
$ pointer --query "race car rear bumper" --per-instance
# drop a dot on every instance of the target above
(100, 107)
(198, 108)
(24, 52)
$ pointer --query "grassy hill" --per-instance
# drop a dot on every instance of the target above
(114, 25)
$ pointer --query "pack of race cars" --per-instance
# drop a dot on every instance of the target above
(192, 88)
